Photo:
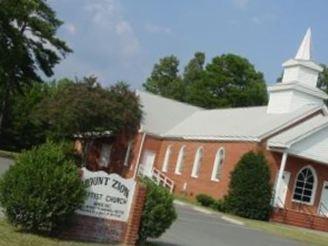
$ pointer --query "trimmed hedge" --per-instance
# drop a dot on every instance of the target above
(159, 212)
(41, 191)
(250, 189)
(208, 201)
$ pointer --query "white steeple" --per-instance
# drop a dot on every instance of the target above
(299, 82)
(304, 51)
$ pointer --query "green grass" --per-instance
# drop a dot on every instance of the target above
(8, 154)
(308, 237)
(9, 236)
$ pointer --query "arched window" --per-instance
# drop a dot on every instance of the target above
(197, 162)
(165, 166)
(217, 166)
(180, 160)
(305, 186)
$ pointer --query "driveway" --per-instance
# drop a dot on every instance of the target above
(195, 227)
(5, 164)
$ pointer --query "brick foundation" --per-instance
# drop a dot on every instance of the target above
(91, 229)
(300, 219)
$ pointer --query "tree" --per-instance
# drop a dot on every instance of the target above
(165, 80)
(229, 81)
(84, 106)
(22, 128)
(28, 45)
(250, 191)
(194, 70)
(323, 79)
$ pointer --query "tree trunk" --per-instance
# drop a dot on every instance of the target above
(3, 107)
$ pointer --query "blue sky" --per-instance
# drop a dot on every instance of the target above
(121, 40)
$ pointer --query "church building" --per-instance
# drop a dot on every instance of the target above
(192, 150)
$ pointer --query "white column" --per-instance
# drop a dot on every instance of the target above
(137, 164)
(279, 179)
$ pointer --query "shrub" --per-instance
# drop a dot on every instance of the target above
(205, 200)
(159, 212)
(42, 190)
(218, 205)
(250, 189)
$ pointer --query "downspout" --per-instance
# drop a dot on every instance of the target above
(139, 156)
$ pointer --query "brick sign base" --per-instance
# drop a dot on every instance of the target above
(92, 229)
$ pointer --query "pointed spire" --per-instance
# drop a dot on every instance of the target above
(304, 51)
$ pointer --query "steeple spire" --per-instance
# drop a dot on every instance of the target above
(304, 51)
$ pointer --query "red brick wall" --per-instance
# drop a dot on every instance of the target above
(294, 165)
(202, 184)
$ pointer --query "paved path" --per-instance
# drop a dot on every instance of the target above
(5, 164)
(197, 228)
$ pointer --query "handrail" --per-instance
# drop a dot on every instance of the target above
(324, 210)
(162, 179)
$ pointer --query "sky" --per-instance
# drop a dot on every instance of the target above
(123, 39)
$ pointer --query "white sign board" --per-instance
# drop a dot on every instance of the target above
(109, 196)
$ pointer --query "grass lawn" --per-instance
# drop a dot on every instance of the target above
(9, 236)
(309, 237)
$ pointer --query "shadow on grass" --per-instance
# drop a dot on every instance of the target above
(159, 243)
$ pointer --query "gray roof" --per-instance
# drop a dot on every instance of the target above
(168, 118)
(160, 114)
(251, 123)
(299, 132)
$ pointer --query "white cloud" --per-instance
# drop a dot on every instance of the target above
(157, 29)
(107, 15)
(241, 3)
(70, 28)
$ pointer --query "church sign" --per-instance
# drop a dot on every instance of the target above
(109, 196)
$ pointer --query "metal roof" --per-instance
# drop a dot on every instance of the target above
(168, 118)
(160, 114)
(252, 123)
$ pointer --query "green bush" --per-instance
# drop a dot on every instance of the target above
(159, 212)
(250, 189)
(218, 205)
(42, 190)
(208, 201)
(205, 200)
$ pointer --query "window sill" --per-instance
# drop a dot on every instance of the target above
(177, 173)
(195, 177)
(215, 180)
(305, 203)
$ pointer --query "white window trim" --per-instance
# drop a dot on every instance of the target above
(101, 163)
(127, 154)
(167, 156)
(180, 160)
(315, 184)
(216, 164)
(197, 162)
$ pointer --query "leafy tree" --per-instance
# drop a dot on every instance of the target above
(84, 106)
(165, 80)
(42, 190)
(194, 70)
(28, 45)
(21, 128)
(250, 191)
(229, 81)
(323, 79)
